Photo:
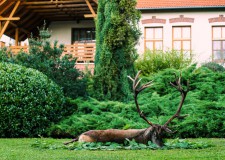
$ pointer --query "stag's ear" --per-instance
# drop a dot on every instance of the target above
(168, 130)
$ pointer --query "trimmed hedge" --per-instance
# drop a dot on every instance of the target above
(29, 101)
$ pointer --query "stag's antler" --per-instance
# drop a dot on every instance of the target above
(178, 86)
(136, 91)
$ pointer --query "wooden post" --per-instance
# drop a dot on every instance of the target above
(0, 26)
(2, 2)
(17, 37)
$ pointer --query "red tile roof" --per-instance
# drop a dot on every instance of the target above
(157, 4)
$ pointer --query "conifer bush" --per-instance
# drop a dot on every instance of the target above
(48, 59)
(204, 105)
(117, 33)
(29, 101)
(214, 66)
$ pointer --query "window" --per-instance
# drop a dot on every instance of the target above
(84, 34)
(154, 38)
(182, 39)
(218, 43)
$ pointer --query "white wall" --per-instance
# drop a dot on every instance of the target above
(62, 31)
(7, 40)
(201, 31)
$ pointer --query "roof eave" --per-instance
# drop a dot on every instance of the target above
(176, 8)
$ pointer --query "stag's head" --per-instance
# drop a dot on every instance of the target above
(155, 131)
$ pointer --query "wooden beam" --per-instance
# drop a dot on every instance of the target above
(1, 3)
(33, 22)
(17, 36)
(10, 16)
(26, 19)
(90, 7)
(6, 7)
(16, 26)
(54, 6)
(10, 19)
(60, 10)
(89, 16)
(51, 2)
(95, 1)
(0, 26)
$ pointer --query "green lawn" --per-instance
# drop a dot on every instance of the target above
(20, 149)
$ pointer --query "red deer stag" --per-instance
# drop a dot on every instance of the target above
(153, 133)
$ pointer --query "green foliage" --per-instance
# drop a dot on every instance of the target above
(117, 35)
(92, 114)
(127, 145)
(49, 60)
(214, 66)
(5, 56)
(29, 101)
(154, 61)
(204, 104)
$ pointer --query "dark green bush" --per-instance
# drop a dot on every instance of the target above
(48, 59)
(205, 105)
(154, 61)
(5, 56)
(29, 101)
(117, 33)
(214, 66)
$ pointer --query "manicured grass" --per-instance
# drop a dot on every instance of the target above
(21, 149)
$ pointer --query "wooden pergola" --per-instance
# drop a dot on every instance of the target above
(19, 18)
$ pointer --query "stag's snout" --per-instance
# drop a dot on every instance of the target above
(155, 134)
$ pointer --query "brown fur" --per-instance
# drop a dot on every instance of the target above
(113, 135)
(119, 136)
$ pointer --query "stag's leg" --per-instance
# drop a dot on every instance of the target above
(73, 140)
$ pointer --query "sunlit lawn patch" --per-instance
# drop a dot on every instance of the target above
(21, 149)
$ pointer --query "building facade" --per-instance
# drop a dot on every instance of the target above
(197, 34)
(197, 29)
(194, 27)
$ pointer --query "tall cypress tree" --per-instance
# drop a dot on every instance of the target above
(116, 37)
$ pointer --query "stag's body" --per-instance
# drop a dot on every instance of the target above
(118, 136)
(112, 135)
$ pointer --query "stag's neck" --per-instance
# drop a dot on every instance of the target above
(144, 136)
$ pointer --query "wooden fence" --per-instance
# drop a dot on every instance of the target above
(17, 49)
(84, 52)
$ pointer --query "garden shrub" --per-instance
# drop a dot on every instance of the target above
(48, 59)
(204, 105)
(154, 61)
(5, 56)
(29, 101)
(117, 33)
(214, 66)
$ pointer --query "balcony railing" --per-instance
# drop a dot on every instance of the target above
(84, 52)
